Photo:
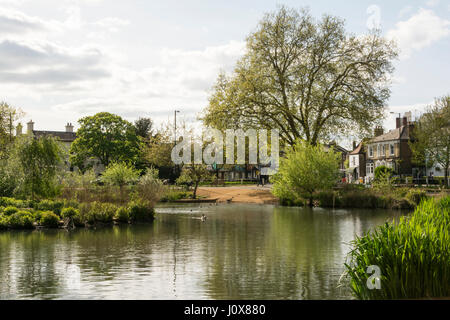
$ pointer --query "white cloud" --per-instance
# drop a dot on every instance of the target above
(112, 24)
(405, 11)
(421, 30)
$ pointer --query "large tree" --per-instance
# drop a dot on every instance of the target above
(308, 78)
(431, 136)
(107, 137)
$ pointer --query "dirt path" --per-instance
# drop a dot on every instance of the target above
(240, 194)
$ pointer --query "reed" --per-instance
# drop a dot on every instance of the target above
(413, 256)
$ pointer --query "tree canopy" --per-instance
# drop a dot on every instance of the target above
(308, 78)
(107, 137)
(431, 136)
(8, 116)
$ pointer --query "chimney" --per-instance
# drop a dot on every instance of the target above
(354, 145)
(30, 127)
(69, 127)
(397, 123)
(19, 128)
(378, 131)
(405, 121)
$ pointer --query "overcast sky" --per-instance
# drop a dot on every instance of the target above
(61, 60)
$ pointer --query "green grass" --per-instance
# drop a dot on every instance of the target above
(413, 255)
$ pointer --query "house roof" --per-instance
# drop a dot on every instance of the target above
(359, 149)
(62, 135)
(336, 147)
(401, 133)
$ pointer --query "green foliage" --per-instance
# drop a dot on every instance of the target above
(9, 211)
(141, 211)
(50, 205)
(39, 161)
(382, 171)
(8, 115)
(304, 170)
(5, 202)
(120, 174)
(416, 196)
(122, 214)
(174, 195)
(69, 212)
(102, 212)
(49, 220)
(413, 255)
(430, 141)
(194, 174)
(3, 222)
(149, 187)
(107, 137)
(21, 220)
(309, 78)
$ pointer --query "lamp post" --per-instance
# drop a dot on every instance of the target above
(175, 131)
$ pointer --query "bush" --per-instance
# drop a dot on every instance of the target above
(122, 214)
(103, 212)
(21, 220)
(416, 196)
(69, 213)
(381, 171)
(413, 256)
(50, 205)
(140, 211)
(175, 195)
(49, 219)
(9, 211)
(3, 222)
(11, 202)
(328, 199)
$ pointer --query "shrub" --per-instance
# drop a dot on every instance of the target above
(8, 211)
(21, 220)
(11, 202)
(103, 212)
(381, 171)
(328, 199)
(141, 211)
(413, 256)
(50, 205)
(69, 213)
(122, 214)
(49, 219)
(3, 222)
(416, 196)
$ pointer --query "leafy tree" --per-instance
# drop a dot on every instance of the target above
(381, 171)
(310, 79)
(107, 137)
(305, 170)
(144, 127)
(39, 162)
(384, 181)
(194, 174)
(431, 136)
(120, 174)
(8, 115)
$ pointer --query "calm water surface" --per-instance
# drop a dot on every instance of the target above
(239, 252)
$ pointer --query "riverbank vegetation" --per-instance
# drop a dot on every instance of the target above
(413, 256)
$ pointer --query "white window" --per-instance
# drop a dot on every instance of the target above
(369, 168)
(392, 149)
(378, 150)
(370, 151)
(383, 150)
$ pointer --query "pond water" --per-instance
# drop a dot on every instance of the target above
(239, 252)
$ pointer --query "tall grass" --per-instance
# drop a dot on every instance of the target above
(413, 255)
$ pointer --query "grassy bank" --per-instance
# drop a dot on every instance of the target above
(27, 214)
(359, 197)
(413, 256)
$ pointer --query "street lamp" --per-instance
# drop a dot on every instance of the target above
(175, 112)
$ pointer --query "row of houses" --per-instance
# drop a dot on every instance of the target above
(389, 149)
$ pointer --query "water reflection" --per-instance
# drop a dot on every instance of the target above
(240, 252)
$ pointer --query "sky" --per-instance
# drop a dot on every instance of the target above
(62, 60)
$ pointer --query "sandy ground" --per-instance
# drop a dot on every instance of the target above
(239, 194)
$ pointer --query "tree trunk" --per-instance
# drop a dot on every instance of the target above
(446, 178)
(195, 191)
(310, 201)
